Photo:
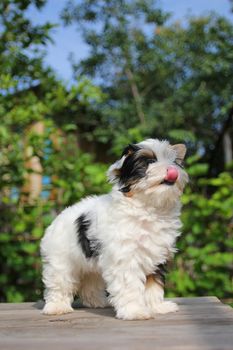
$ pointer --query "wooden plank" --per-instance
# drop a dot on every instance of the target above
(201, 323)
(197, 300)
(40, 303)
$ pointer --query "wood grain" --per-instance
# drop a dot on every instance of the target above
(201, 323)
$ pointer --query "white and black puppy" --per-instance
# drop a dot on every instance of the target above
(119, 242)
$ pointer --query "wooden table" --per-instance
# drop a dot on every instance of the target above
(201, 323)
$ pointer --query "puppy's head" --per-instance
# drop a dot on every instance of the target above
(151, 167)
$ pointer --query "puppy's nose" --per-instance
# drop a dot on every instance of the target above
(172, 174)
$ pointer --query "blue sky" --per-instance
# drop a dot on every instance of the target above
(67, 40)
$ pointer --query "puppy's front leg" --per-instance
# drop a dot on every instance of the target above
(154, 296)
(126, 288)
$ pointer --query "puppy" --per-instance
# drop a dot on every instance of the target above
(119, 242)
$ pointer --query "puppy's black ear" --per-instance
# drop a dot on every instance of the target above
(115, 169)
(131, 148)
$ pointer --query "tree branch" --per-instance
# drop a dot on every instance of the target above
(136, 95)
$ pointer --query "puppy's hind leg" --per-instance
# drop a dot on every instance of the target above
(59, 289)
(92, 290)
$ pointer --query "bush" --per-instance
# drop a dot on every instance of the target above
(68, 175)
(204, 262)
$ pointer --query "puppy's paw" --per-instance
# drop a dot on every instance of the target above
(164, 308)
(133, 312)
(58, 308)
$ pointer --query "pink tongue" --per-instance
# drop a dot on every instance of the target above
(172, 174)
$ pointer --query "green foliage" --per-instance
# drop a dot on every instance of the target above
(19, 240)
(204, 260)
(21, 45)
(23, 223)
(31, 94)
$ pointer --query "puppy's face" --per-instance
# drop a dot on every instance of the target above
(151, 167)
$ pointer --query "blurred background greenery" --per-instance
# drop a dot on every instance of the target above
(144, 76)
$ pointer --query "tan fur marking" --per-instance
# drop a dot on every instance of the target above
(152, 279)
(117, 172)
(128, 194)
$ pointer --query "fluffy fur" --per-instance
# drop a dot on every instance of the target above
(119, 242)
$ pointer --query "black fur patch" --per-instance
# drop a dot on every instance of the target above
(125, 189)
(89, 247)
(129, 149)
(160, 272)
(134, 166)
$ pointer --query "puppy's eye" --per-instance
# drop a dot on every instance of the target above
(179, 162)
(152, 160)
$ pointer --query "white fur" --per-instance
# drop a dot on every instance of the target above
(136, 233)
